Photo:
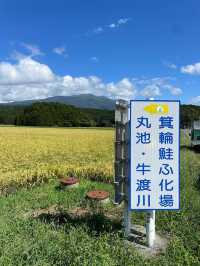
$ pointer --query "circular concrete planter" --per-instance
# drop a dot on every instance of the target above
(98, 195)
(69, 182)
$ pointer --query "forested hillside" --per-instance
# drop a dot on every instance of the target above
(8, 114)
(57, 114)
(62, 115)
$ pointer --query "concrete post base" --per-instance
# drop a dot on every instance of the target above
(137, 238)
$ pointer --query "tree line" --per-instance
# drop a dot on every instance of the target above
(189, 113)
(62, 115)
(55, 114)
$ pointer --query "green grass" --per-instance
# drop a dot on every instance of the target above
(28, 241)
(57, 240)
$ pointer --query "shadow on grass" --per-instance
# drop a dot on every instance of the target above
(137, 236)
(189, 148)
(95, 222)
(197, 182)
(59, 188)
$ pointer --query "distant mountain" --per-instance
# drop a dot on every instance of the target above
(82, 101)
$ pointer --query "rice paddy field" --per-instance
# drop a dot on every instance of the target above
(31, 155)
(31, 161)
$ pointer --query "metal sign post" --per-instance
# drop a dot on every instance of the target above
(151, 228)
(122, 161)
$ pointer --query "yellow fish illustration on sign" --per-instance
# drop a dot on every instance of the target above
(157, 109)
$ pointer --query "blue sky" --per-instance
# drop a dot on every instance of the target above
(127, 49)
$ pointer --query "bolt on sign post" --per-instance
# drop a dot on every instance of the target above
(154, 158)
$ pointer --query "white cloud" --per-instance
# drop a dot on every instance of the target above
(124, 89)
(98, 30)
(173, 66)
(82, 85)
(156, 86)
(60, 51)
(25, 71)
(174, 90)
(119, 22)
(191, 69)
(196, 100)
(170, 65)
(29, 79)
(116, 24)
(94, 59)
(149, 91)
(16, 55)
(33, 49)
(123, 20)
(112, 25)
